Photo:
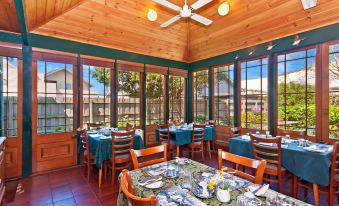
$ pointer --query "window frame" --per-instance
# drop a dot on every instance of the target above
(261, 93)
(230, 92)
(194, 94)
(183, 97)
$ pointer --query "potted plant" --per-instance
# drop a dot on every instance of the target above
(223, 192)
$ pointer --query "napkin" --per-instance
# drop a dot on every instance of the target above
(154, 185)
(245, 137)
(140, 132)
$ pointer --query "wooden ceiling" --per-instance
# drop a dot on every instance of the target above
(122, 24)
(8, 18)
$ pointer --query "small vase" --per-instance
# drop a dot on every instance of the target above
(223, 195)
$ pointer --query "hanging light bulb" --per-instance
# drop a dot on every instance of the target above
(224, 8)
(152, 15)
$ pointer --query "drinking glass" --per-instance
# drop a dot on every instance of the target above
(186, 179)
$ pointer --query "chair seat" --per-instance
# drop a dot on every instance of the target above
(121, 158)
(272, 169)
(171, 145)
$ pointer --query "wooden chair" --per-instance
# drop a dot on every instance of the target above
(165, 138)
(197, 144)
(331, 189)
(293, 134)
(128, 190)
(91, 126)
(135, 154)
(88, 158)
(258, 166)
(272, 154)
(210, 143)
(122, 143)
(129, 127)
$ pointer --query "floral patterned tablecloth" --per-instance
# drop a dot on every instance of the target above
(194, 167)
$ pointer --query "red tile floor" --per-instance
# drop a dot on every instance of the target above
(70, 187)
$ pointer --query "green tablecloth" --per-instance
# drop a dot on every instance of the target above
(194, 168)
(310, 166)
(102, 148)
(184, 136)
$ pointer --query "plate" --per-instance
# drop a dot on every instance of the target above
(182, 161)
(198, 191)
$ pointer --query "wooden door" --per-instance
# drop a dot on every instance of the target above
(53, 112)
(11, 109)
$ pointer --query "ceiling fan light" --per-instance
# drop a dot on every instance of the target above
(152, 15)
(224, 9)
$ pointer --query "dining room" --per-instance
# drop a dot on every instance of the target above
(169, 102)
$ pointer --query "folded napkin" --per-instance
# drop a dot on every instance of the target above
(246, 137)
(140, 132)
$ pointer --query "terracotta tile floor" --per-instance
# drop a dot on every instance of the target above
(70, 187)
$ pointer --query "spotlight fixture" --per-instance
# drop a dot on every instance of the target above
(270, 46)
(152, 15)
(251, 52)
(236, 57)
(224, 8)
(297, 40)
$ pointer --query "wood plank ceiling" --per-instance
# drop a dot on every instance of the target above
(122, 24)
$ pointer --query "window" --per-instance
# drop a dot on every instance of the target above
(55, 101)
(9, 96)
(128, 98)
(296, 91)
(334, 91)
(96, 95)
(176, 98)
(223, 95)
(200, 98)
(155, 113)
(254, 102)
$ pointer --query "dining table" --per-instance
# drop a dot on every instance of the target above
(100, 146)
(310, 165)
(183, 135)
(172, 192)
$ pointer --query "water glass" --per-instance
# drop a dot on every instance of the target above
(186, 180)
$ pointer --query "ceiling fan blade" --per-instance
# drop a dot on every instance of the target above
(200, 3)
(171, 21)
(168, 4)
(201, 19)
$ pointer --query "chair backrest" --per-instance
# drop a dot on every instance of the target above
(258, 165)
(122, 142)
(164, 133)
(293, 134)
(84, 139)
(133, 200)
(268, 149)
(129, 127)
(135, 154)
(198, 132)
(334, 178)
(94, 125)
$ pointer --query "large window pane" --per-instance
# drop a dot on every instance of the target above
(201, 96)
(55, 97)
(223, 95)
(9, 96)
(96, 95)
(128, 98)
(176, 98)
(296, 91)
(155, 105)
(334, 91)
(254, 88)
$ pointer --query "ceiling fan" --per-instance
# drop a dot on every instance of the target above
(185, 12)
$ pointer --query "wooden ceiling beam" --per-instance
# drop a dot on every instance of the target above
(34, 27)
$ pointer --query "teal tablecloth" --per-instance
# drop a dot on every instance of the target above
(102, 148)
(310, 166)
(184, 136)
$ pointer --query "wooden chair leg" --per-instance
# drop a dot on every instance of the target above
(100, 177)
(202, 153)
(105, 169)
(209, 149)
(88, 171)
(113, 175)
(178, 151)
(279, 183)
(192, 153)
(295, 186)
(316, 194)
(331, 195)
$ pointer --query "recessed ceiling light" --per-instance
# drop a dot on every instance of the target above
(307, 4)
(224, 9)
(152, 15)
